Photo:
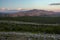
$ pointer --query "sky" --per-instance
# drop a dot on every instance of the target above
(29, 4)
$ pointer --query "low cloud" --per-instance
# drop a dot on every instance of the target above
(19, 9)
(55, 4)
(2, 8)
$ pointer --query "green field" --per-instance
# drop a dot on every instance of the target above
(46, 20)
(30, 27)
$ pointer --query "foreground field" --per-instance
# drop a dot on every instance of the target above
(51, 29)
(29, 28)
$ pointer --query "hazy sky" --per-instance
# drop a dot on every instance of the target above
(29, 4)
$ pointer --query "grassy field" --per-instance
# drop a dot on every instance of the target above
(29, 28)
(46, 20)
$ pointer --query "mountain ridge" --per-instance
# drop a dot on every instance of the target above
(33, 12)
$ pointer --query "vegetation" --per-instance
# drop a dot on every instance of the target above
(46, 20)
(29, 28)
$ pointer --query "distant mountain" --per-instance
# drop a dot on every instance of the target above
(33, 12)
